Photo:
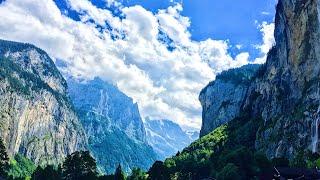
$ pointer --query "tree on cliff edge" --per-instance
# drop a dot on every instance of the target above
(4, 159)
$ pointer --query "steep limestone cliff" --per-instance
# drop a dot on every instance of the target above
(36, 117)
(286, 95)
(221, 99)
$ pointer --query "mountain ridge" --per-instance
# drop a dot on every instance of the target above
(37, 118)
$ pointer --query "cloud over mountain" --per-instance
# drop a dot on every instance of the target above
(149, 56)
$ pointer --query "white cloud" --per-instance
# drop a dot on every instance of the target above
(113, 3)
(37, 23)
(165, 83)
(265, 13)
(239, 46)
(267, 31)
(91, 12)
(140, 24)
(175, 25)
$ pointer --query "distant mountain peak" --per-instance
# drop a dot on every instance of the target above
(167, 137)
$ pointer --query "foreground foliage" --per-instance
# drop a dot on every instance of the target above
(79, 165)
(4, 159)
(226, 153)
(20, 167)
(219, 154)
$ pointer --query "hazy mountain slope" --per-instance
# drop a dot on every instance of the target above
(36, 116)
(167, 137)
(113, 125)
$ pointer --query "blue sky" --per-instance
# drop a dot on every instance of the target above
(160, 53)
(227, 19)
(235, 20)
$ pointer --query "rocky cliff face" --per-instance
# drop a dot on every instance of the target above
(221, 99)
(36, 117)
(167, 137)
(113, 125)
(286, 95)
(104, 99)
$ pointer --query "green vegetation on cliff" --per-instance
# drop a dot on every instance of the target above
(242, 75)
(227, 153)
(228, 149)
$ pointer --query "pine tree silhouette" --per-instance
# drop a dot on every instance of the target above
(4, 159)
(119, 175)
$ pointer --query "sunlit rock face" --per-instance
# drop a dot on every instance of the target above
(167, 137)
(221, 99)
(36, 116)
(113, 125)
(286, 94)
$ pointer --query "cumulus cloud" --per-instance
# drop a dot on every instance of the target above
(267, 31)
(175, 25)
(165, 82)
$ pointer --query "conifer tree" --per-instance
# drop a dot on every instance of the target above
(158, 171)
(4, 159)
(119, 175)
(47, 173)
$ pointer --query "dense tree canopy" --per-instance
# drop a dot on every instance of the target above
(138, 174)
(158, 171)
(48, 173)
(119, 175)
